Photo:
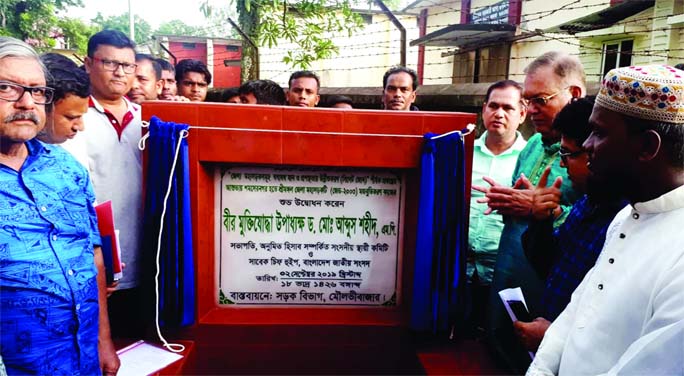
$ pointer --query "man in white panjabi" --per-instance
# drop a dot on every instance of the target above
(627, 315)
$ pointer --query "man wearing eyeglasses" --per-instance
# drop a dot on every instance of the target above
(551, 81)
(113, 128)
(51, 268)
(626, 317)
(562, 257)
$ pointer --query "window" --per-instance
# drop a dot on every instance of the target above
(232, 48)
(487, 64)
(617, 54)
(188, 46)
(367, 18)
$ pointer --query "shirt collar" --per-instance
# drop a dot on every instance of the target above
(671, 200)
(36, 147)
(93, 103)
(518, 145)
(551, 149)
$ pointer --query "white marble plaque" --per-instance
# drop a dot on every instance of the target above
(298, 236)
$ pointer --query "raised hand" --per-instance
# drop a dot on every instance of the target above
(506, 200)
(546, 200)
(486, 190)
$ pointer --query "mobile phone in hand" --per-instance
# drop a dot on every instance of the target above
(519, 310)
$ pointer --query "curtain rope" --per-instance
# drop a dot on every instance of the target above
(469, 129)
(174, 347)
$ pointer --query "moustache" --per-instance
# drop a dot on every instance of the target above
(23, 116)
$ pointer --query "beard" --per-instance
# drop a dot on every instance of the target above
(606, 188)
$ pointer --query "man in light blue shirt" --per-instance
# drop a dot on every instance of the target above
(495, 155)
(53, 310)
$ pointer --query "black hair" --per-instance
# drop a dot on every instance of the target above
(52, 58)
(304, 73)
(399, 69)
(229, 93)
(335, 99)
(155, 65)
(265, 92)
(65, 77)
(192, 65)
(680, 66)
(573, 120)
(109, 38)
(165, 65)
(502, 85)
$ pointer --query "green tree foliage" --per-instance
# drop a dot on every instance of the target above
(33, 21)
(143, 30)
(76, 33)
(178, 27)
(305, 23)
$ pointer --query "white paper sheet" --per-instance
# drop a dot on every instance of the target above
(513, 294)
(141, 358)
(119, 275)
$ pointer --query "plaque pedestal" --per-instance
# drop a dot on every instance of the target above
(296, 339)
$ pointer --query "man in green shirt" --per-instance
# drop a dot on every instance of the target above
(551, 81)
(495, 156)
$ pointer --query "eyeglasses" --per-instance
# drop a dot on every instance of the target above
(541, 101)
(564, 155)
(13, 92)
(112, 65)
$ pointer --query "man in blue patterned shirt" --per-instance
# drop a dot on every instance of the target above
(562, 257)
(51, 266)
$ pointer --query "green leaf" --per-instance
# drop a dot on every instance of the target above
(305, 23)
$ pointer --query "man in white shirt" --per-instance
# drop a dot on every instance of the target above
(113, 127)
(632, 301)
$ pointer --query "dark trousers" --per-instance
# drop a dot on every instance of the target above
(476, 303)
(126, 314)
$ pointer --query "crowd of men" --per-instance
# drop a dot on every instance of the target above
(584, 216)
(189, 80)
(72, 142)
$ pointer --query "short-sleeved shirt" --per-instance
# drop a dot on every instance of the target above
(115, 166)
(48, 279)
(485, 230)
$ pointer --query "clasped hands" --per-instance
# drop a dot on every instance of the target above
(523, 199)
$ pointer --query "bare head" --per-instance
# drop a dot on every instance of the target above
(551, 81)
(23, 92)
